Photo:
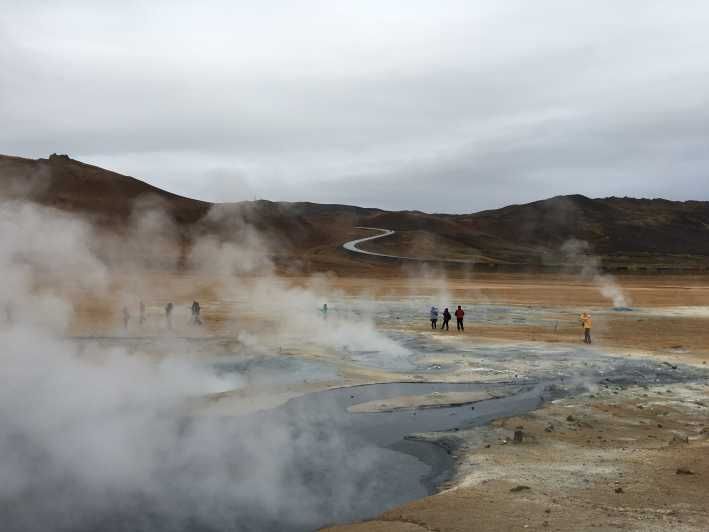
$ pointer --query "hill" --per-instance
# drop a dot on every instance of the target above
(626, 233)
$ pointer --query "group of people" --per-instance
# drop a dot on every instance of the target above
(195, 318)
(459, 314)
(586, 321)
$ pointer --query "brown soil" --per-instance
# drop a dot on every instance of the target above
(616, 460)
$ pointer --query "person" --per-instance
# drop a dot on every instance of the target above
(126, 317)
(586, 322)
(168, 315)
(141, 313)
(446, 318)
(324, 311)
(196, 309)
(459, 313)
(434, 317)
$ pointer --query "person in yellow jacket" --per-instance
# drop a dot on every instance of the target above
(586, 321)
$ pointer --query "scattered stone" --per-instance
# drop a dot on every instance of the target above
(547, 511)
(678, 439)
(619, 490)
(570, 418)
(519, 488)
(487, 446)
(659, 425)
(549, 428)
(684, 471)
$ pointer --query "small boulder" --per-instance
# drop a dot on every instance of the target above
(679, 439)
(520, 488)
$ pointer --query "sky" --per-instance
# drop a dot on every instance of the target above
(450, 106)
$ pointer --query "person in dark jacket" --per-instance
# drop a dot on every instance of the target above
(446, 319)
(168, 315)
(196, 309)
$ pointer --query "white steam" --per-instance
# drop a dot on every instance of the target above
(94, 438)
(577, 255)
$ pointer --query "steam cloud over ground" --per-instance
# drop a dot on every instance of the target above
(97, 437)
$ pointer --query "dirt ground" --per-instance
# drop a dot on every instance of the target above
(616, 459)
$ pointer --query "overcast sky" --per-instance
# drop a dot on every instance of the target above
(445, 106)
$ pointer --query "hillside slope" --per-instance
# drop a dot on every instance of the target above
(626, 233)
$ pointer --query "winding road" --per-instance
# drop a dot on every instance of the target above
(352, 246)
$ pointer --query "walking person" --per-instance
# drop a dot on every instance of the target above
(434, 317)
(586, 323)
(446, 319)
(168, 315)
(459, 313)
(126, 318)
(141, 313)
(196, 309)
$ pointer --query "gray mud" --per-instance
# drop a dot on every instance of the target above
(342, 466)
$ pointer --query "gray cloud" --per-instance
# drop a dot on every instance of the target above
(401, 105)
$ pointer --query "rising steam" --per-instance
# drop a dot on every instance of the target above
(577, 256)
(103, 438)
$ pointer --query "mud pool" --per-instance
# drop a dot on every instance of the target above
(399, 468)
(311, 462)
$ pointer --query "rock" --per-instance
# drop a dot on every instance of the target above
(659, 425)
(684, 471)
(619, 490)
(518, 437)
(519, 488)
(570, 418)
(679, 439)
(549, 428)
(487, 446)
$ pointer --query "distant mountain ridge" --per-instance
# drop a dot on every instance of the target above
(626, 233)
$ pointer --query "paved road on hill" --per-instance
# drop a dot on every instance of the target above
(352, 244)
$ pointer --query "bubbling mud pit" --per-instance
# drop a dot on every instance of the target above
(345, 453)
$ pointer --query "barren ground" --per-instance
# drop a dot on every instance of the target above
(619, 458)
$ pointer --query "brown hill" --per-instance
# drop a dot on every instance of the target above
(626, 233)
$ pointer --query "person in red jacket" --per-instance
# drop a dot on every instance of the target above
(459, 313)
